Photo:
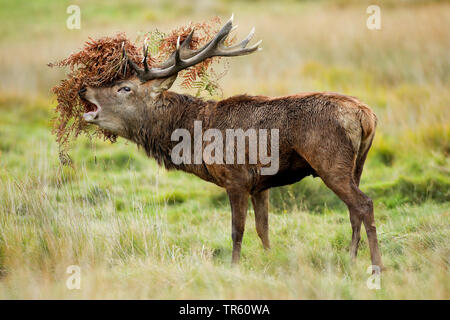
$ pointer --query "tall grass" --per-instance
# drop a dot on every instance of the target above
(152, 251)
(138, 231)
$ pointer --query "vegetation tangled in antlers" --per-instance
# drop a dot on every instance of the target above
(102, 61)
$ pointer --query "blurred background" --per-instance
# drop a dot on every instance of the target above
(138, 231)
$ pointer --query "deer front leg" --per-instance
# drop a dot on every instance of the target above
(239, 205)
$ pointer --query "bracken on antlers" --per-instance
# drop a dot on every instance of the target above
(99, 62)
(102, 61)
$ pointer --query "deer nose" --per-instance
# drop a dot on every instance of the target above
(82, 91)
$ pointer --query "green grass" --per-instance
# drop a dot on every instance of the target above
(138, 231)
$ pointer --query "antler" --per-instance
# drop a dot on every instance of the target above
(183, 57)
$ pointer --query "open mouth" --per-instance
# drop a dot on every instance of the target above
(91, 116)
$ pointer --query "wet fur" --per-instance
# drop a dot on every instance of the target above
(309, 124)
(320, 134)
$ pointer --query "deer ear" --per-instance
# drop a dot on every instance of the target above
(160, 85)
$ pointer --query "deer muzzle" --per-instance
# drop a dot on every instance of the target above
(92, 116)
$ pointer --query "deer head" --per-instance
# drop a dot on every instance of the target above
(121, 104)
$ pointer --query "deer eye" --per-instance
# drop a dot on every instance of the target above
(126, 89)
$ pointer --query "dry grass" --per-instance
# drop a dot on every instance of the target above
(149, 251)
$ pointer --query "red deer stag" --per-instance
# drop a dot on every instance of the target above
(320, 134)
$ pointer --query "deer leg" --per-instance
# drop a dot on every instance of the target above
(361, 210)
(360, 159)
(239, 205)
(260, 203)
(356, 221)
(371, 230)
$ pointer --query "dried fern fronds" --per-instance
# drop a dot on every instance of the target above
(98, 63)
(101, 62)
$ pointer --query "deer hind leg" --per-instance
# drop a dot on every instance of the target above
(260, 203)
(359, 167)
(361, 159)
(360, 206)
(239, 206)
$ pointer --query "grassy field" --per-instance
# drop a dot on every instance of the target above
(138, 231)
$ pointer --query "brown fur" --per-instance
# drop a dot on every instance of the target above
(320, 134)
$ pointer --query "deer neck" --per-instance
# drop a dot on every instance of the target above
(170, 112)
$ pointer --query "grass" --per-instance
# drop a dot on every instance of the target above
(138, 231)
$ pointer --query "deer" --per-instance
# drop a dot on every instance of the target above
(323, 134)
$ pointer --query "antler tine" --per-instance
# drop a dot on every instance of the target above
(145, 53)
(219, 37)
(188, 40)
(244, 42)
(184, 58)
(177, 52)
(133, 65)
(240, 50)
(184, 52)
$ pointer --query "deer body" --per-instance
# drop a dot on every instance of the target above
(304, 121)
(321, 134)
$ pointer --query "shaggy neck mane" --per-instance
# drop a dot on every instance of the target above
(170, 112)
